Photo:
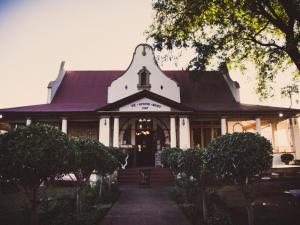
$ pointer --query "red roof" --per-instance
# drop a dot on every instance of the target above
(86, 91)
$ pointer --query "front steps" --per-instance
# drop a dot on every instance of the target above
(158, 176)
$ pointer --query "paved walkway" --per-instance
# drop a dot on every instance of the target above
(144, 206)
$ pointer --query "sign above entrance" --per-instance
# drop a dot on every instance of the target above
(145, 104)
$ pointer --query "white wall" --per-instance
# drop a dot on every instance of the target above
(54, 85)
(130, 78)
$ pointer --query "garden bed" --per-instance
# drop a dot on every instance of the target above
(273, 205)
(57, 206)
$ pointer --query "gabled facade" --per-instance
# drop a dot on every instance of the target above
(146, 109)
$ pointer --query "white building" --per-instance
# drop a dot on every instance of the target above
(145, 109)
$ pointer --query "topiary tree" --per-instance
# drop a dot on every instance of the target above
(108, 163)
(192, 163)
(32, 155)
(118, 154)
(240, 156)
(286, 158)
(171, 157)
(88, 153)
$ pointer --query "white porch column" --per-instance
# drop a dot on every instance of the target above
(28, 121)
(295, 137)
(64, 125)
(184, 133)
(104, 129)
(274, 141)
(258, 125)
(173, 132)
(116, 142)
(223, 126)
(132, 132)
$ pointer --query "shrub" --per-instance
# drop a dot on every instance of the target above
(192, 162)
(218, 217)
(118, 154)
(286, 158)
(171, 157)
(185, 190)
(239, 156)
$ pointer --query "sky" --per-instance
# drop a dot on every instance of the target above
(36, 35)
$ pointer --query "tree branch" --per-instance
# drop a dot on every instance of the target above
(277, 23)
(291, 8)
(253, 39)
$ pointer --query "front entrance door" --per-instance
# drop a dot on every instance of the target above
(145, 142)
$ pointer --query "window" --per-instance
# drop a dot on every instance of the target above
(204, 132)
(144, 79)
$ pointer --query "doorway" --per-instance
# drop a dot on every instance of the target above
(145, 143)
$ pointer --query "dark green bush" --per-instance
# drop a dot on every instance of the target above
(239, 156)
(192, 162)
(218, 217)
(287, 157)
(171, 157)
(185, 190)
(118, 154)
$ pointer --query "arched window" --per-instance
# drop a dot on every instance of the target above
(144, 79)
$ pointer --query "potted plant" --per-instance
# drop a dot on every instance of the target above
(286, 158)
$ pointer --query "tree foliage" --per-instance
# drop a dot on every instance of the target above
(171, 157)
(239, 156)
(88, 154)
(288, 91)
(26, 151)
(31, 155)
(266, 32)
(118, 153)
(192, 163)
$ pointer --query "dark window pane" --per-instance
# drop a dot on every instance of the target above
(127, 136)
(197, 137)
(207, 136)
(143, 79)
(217, 132)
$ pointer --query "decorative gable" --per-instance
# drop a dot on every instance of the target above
(143, 74)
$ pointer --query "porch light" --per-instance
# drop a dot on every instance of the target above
(280, 114)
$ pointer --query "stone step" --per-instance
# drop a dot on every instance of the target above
(157, 176)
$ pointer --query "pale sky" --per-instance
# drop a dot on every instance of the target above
(36, 35)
